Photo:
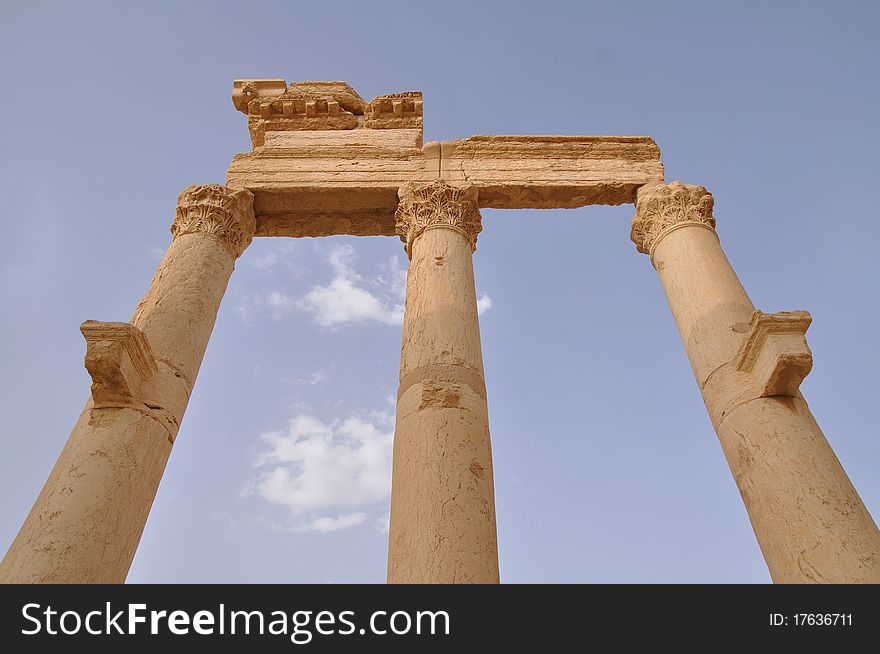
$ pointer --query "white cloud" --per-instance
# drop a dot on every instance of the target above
(322, 524)
(280, 303)
(384, 417)
(283, 253)
(334, 524)
(245, 307)
(341, 258)
(251, 307)
(383, 523)
(393, 278)
(314, 468)
(348, 298)
(345, 300)
(265, 262)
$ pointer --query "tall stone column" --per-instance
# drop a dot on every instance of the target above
(810, 522)
(87, 521)
(443, 498)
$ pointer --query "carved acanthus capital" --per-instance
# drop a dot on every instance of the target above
(430, 205)
(221, 212)
(664, 207)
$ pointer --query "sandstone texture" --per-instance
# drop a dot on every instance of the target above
(341, 177)
(809, 520)
(88, 519)
(324, 162)
(443, 499)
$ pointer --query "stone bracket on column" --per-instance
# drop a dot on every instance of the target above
(119, 360)
(775, 352)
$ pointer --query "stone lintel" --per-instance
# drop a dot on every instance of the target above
(118, 358)
(775, 352)
(312, 183)
(552, 172)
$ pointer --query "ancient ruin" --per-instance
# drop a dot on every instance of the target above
(325, 162)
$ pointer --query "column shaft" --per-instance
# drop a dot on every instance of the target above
(810, 523)
(87, 521)
(442, 504)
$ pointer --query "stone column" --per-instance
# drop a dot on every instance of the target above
(87, 521)
(443, 498)
(810, 522)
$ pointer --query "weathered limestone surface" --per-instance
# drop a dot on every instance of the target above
(303, 105)
(810, 522)
(314, 178)
(88, 519)
(552, 172)
(442, 502)
(326, 162)
(318, 183)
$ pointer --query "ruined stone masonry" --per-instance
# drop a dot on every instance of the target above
(326, 162)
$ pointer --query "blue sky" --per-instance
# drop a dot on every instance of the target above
(606, 465)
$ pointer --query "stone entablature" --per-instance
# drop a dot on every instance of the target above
(316, 175)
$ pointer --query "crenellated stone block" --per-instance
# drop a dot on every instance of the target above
(272, 106)
(246, 90)
(395, 111)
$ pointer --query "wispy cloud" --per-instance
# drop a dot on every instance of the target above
(252, 307)
(322, 524)
(264, 262)
(335, 524)
(279, 303)
(321, 471)
(283, 253)
(347, 300)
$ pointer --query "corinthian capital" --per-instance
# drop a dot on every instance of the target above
(430, 205)
(221, 212)
(664, 207)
